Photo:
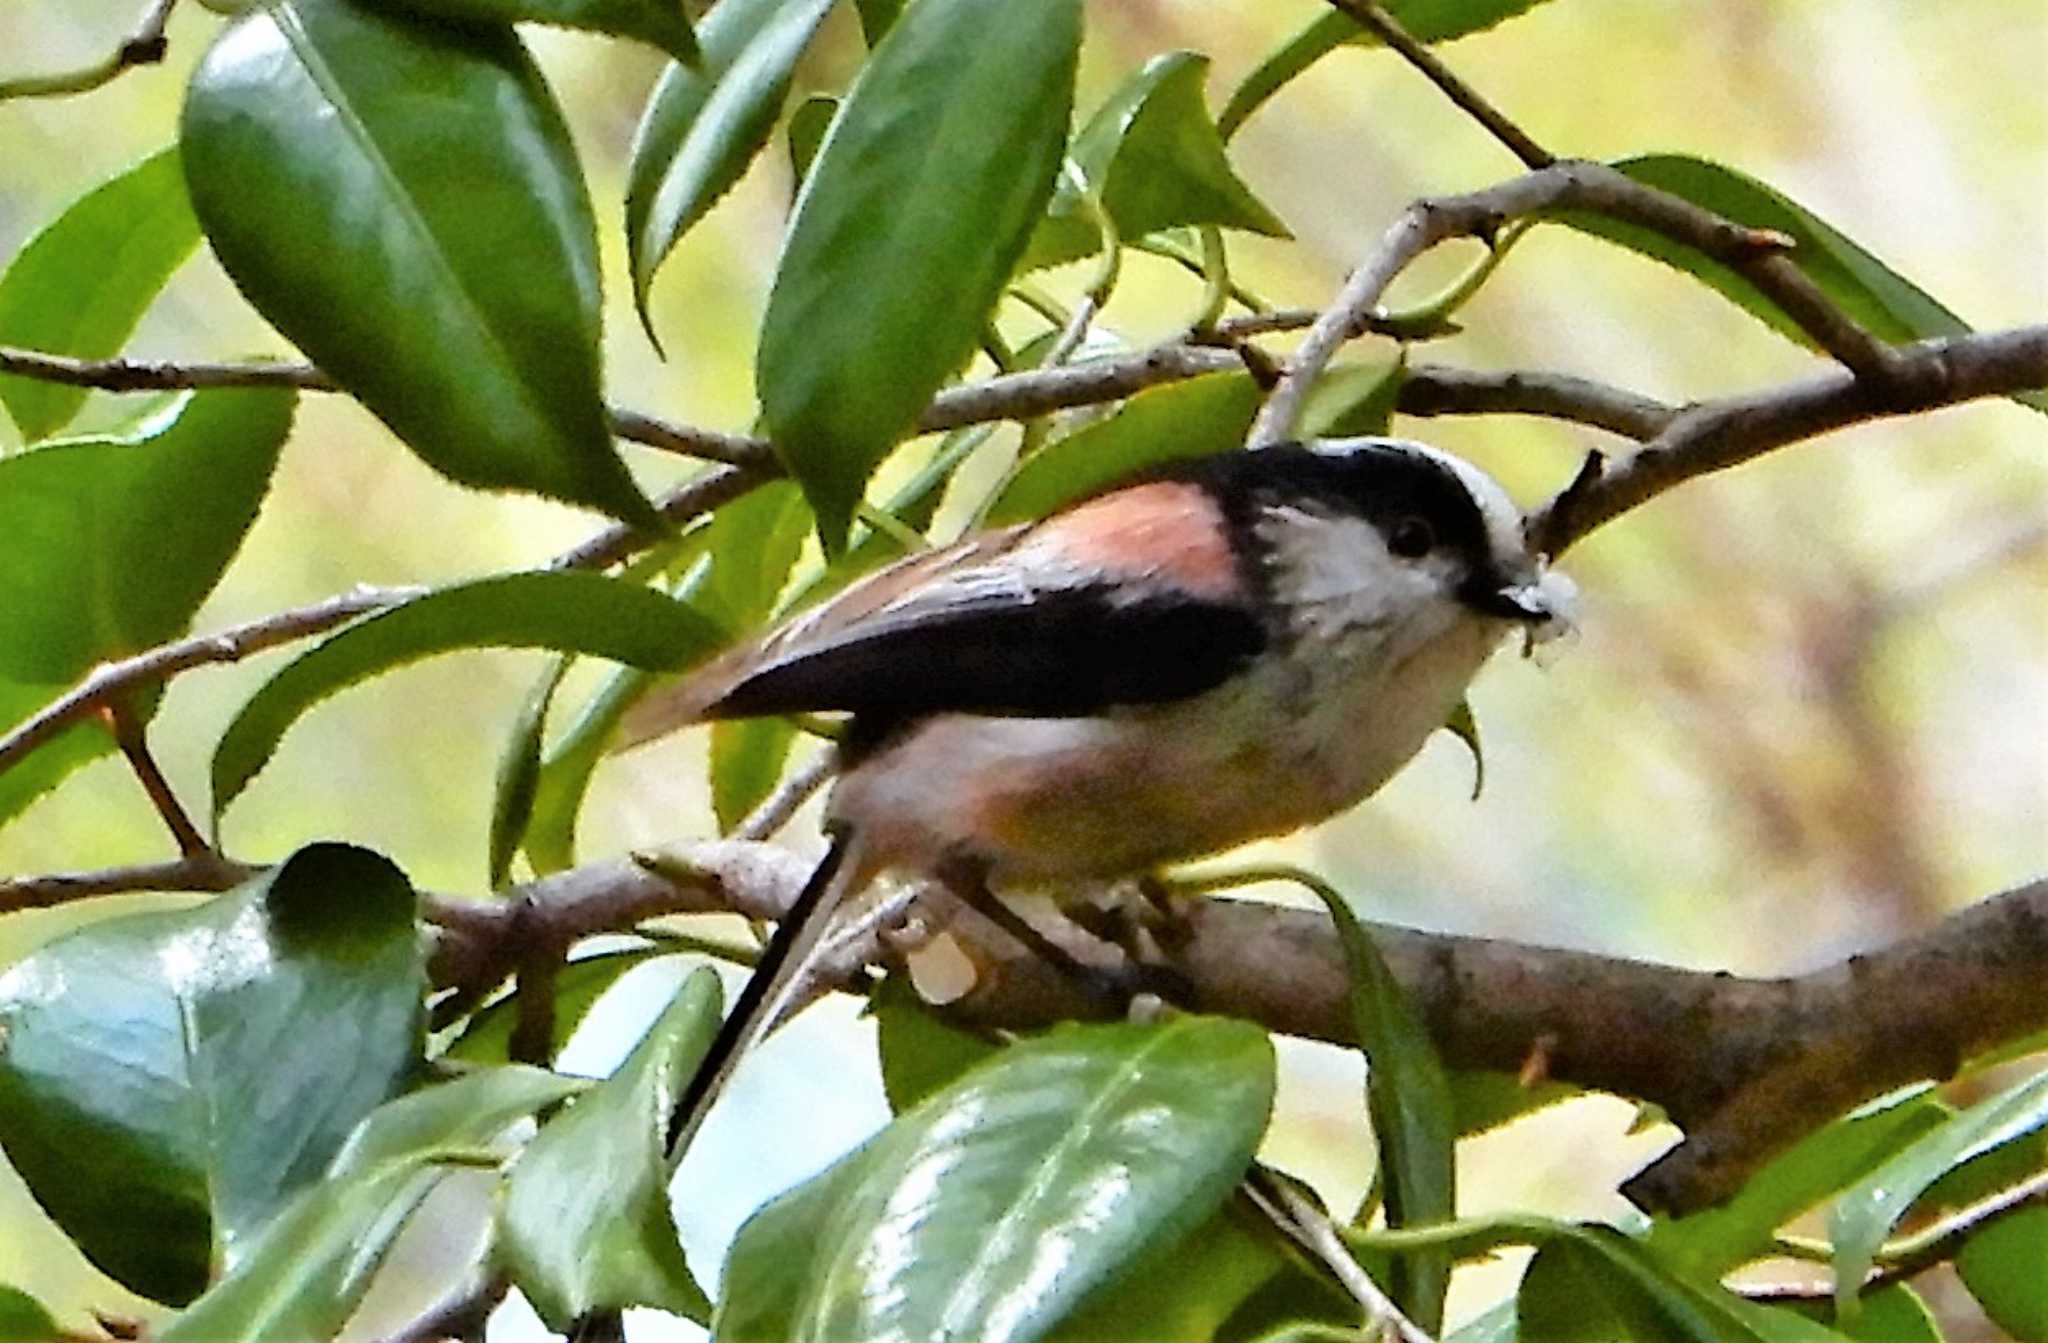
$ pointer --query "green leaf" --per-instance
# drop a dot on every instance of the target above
(80, 285)
(1465, 727)
(807, 127)
(772, 1258)
(1425, 21)
(703, 125)
(1892, 1315)
(585, 1223)
(308, 1269)
(402, 201)
(578, 985)
(518, 777)
(920, 1051)
(1710, 1243)
(933, 174)
(1890, 306)
(1409, 1098)
(747, 756)
(108, 545)
(913, 505)
(2001, 1265)
(467, 1111)
(1106, 1142)
(753, 543)
(1866, 1214)
(876, 16)
(576, 612)
(23, 1319)
(566, 768)
(1155, 159)
(1195, 418)
(1354, 400)
(51, 763)
(168, 1078)
(659, 23)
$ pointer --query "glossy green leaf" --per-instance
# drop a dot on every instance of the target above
(1154, 157)
(108, 545)
(1890, 306)
(1354, 400)
(933, 174)
(747, 757)
(1409, 1098)
(996, 1205)
(402, 201)
(659, 23)
(773, 1256)
(1188, 1290)
(807, 127)
(1425, 20)
(920, 1050)
(705, 123)
(1711, 1242)
(23, 1319)
(80, 285)
(308, 1269)
(1196, 418)
(585, 1223)
(753, 542)
(469, 1110)
(1866, 1214)
(168, 1078)
(578, 612)
(2002, 1266)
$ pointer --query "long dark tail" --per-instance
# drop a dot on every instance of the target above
(760, 1002)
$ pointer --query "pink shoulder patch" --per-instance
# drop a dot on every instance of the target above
(1168, 529)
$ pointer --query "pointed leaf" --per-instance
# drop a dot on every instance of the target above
(1425, 21)
(108, 545)
(307, 1270)
(51, 763)
(467, 1111)
(659, 23)
(771, 1262)
(584, 613)
(876, 16)
(23, 1319)
(402, 201)
(518, 776)
(1465, 727)
(80, 285)
(566, 768)
(1890, 306)
(1153, 155)
(585, 1222)
(1865, 1215)
(168, 1078)
(704, 123)
(807, 127)
(1482, 1100)
(996, 1205)
(1409, 1098)
(932, 176)
(747, 758)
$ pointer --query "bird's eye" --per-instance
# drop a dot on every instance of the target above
(1411, 538)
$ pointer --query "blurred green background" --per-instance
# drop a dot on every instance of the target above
(1807, 712)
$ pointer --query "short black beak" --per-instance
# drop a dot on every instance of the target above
(1489, 595)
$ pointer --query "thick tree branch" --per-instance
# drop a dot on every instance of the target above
(1767, 1059)
(1728, 431)
(145, 45)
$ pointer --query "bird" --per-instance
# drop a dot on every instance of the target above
(1229, 648)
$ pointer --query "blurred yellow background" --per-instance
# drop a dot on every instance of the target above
(1807, 713)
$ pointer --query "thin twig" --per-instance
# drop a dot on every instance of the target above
(144, 45)
(131, 734)
(1384, 26)
(205, 871)
(1715, 435)
(110, 680)
(780, 806)
(1579, 185)
(1309, 1227)
(1433, 389)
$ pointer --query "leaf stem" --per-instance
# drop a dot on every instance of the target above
(132, 736)
(144, 45)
